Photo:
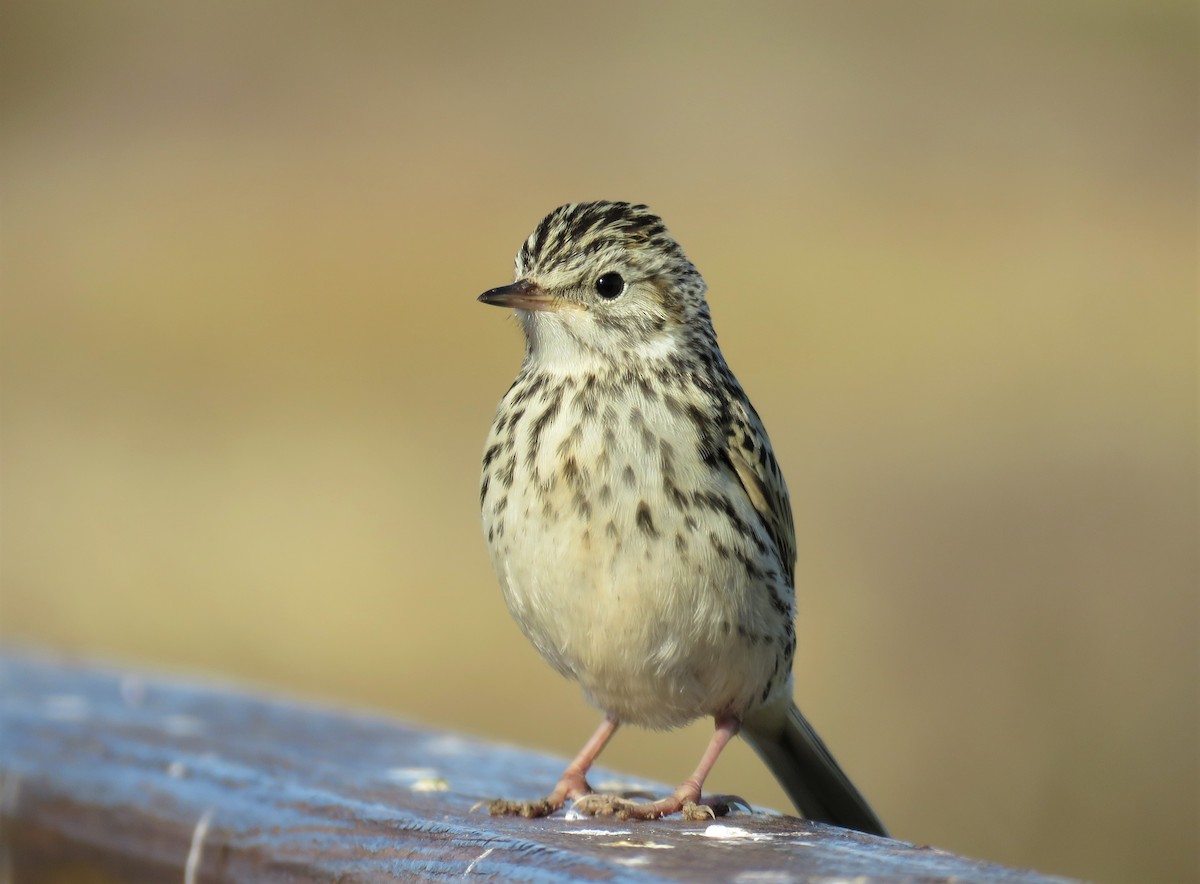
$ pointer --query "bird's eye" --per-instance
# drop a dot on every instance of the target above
(610, 286)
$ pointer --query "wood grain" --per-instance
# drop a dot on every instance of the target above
(123, 776)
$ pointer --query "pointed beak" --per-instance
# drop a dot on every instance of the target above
(521, 295)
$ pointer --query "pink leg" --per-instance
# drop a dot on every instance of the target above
(571, 785)
(686, 798)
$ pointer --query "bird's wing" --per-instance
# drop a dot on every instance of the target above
(749, 452)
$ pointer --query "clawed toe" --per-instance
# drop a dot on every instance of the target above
(624, 809)
(528, 809)
(723, 805)
(698, 813)
(571, 786)
(598, 804)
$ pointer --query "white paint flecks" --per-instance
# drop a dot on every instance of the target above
(478, 860)
(769, 878)
(193, 858)
(645, 845)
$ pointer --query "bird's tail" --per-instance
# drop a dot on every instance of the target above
(807, 771)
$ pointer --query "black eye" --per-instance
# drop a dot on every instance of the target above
(610, 286)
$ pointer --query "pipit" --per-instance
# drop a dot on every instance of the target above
(637, 519)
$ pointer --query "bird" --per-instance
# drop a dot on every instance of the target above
(636, 517)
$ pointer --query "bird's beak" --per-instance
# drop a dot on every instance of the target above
(521, 295)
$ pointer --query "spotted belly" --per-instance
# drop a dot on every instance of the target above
(632, 563)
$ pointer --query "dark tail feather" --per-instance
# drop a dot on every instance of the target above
(807, 771)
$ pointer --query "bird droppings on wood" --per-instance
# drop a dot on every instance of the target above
(634, 861)
(430, 785)
(734, 833)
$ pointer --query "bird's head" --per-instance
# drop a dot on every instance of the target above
(603, 282)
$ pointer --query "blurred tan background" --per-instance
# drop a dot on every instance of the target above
(952, 256)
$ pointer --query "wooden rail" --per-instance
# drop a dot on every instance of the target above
(120, 776)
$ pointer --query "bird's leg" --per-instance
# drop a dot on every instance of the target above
(572, 785)
(686, 798)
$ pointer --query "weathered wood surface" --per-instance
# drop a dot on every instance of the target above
(126, 777)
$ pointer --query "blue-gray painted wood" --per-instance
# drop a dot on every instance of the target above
(132, 777)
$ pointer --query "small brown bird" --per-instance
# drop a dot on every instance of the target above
(636, 517)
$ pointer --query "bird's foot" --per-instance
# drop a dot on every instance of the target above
(685, 802)
(528, 809)
(571, 787)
